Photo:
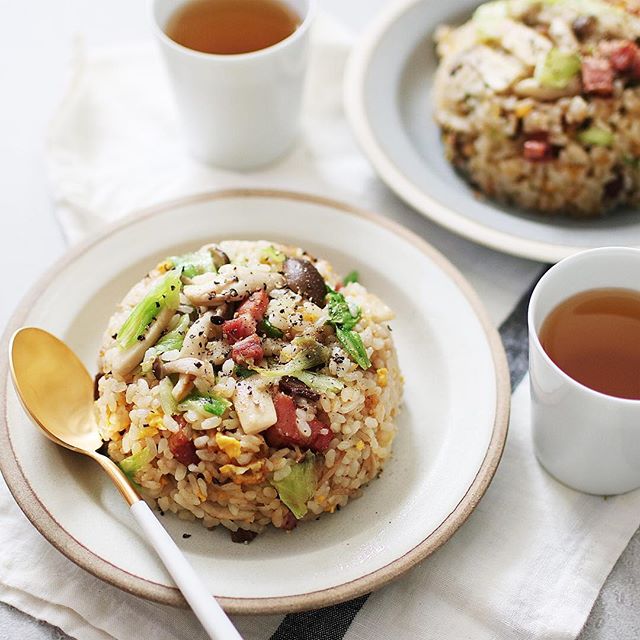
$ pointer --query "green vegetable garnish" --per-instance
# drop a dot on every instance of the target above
(631, 161)
(167, 401)
(339, 311)
(131, 465)
(173, 339)
(267, 329)
(557, 69)
(165, 295)
(352, 343)
(203, 404)
(320, 382)
(311, 354)
(271, 254)
(169, 341)
(343, 321)
(243, 372)
(352, 276)
(596, 137)
(299, 486)
(193, 264)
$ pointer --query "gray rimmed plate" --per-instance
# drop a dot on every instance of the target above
(451, 431)
(387, 98)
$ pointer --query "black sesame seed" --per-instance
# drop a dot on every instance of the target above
(197, 365)
(157, 305)
(186, 535)
(217, 320)
(114, 336)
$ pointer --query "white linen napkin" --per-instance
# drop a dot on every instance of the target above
(531, 559)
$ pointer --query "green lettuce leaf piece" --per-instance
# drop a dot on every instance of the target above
(273, 256)
(167, 401)
(171, 340)
(299, 486)
(320, 382)
(204, 404)
(311, 354)
(131, 465)
(596, 137)
(165, 295)
(557, 69)
(193, 264)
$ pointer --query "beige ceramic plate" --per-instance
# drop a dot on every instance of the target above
(451, 431)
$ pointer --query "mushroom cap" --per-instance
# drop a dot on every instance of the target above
(303, 278)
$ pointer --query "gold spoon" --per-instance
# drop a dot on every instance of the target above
(56, 390)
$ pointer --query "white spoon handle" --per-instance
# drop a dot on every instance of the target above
(204, 605)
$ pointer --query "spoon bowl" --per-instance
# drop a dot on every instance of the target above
(56, 391)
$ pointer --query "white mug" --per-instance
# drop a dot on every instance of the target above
(239, 111)
(588, 440)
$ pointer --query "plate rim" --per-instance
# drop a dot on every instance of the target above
(54, 532)
(356, 111)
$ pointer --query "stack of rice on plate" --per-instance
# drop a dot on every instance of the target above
(246, 384)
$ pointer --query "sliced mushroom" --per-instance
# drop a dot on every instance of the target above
(254, 406)
(584, 26)
(231, 284)
(124, 362)
(498, 70)
(530, 88)
(220, 258)
(526, 44)
(198, 335)
(189, 366)
(303, 278)
(182, 388)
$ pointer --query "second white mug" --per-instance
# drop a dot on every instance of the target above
(586, 439)
(239, 111)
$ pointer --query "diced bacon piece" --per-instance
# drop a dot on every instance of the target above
(183, 449)
(537, 150)
(255, 306)
(634, 70)
(289, 521)
(597, 76)
(321, 436)
(248, 350)
(285, 432)
(621, 53)
(622, 59)
(238, 328)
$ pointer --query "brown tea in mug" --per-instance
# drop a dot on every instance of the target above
(594, 337)
(231, 26)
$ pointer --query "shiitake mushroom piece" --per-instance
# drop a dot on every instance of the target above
(303, 278)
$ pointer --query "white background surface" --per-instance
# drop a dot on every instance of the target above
(36, 41)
